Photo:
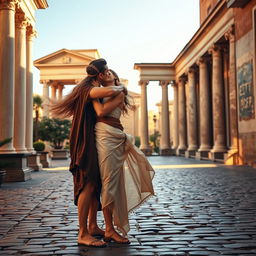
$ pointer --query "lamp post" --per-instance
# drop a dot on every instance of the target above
(154, 120)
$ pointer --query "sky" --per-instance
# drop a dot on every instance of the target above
(124, 32)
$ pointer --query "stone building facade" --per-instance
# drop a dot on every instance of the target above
(17, 30)
(213, 82)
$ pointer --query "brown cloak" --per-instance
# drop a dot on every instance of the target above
(84, 159)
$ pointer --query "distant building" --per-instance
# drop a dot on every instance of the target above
(214, 89)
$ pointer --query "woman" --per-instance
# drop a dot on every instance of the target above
(126, 174)
(84, 161)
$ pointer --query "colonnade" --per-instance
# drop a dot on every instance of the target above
(205, 113)
(56, 88)
(205, 106)
(165, 148)
(16, 78)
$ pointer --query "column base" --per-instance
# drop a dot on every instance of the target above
(166, 152)
(44, 159)
(190, 154)
(202, 155)
(31, 150)
(59, 154)
(34, 162)
(216, 156)
(16, 167)
(21, 151)
(181, 152)
(146, 151)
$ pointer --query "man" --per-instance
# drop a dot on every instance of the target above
(83, 152)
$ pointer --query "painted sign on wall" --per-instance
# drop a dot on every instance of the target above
(245, 91)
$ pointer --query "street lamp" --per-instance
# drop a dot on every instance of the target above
(154, 141)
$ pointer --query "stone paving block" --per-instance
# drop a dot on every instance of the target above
(200, 210)
(203, 253)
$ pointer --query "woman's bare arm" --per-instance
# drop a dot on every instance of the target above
(108, 106)
(102, 92)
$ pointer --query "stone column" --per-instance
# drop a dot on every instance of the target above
(29, 90)
(144, 146)
(182, 117)
(53, 92)
(176, 116)
(165, 148)
(60, 90)
(205, 109)
(46, 84)
(192, 114)
(7, 67)
(232, 156)
(33, 159)
(219, 146)
(20, 84)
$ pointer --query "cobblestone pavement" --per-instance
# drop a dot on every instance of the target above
(199, 209)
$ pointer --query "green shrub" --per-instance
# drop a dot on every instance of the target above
(39, 146)
(54, 130)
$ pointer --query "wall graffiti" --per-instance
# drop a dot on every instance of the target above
(245, 91)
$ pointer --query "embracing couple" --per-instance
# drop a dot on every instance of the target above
(109, 171)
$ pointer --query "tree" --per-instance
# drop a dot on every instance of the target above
(54, 130)
(37, 105)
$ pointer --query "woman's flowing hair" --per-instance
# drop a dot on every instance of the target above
(66, 106)
(127, 99)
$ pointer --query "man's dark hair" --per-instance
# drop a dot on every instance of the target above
(96, 67)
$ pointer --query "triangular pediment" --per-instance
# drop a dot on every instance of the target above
(64, 57)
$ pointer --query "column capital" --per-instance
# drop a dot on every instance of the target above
(202, 60)
(191, 70)
(21, 21)
(60, 86)
(230, 33)
(143, 82)
(31, 32)
(8, 4)
(164, 83)
(174, 83)
(215, 49)
(46, 82)
(182, 79)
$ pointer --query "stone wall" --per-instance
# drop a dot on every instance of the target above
(247, 148)
(243, 19)
(205, 8)
(246, 91)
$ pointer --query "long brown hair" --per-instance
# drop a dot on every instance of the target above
(66, 106)
(127, 99)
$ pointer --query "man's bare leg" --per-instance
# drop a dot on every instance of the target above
(93, 227)
(110, 233)
(84, 202)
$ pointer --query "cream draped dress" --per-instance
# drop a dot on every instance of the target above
(126, 174)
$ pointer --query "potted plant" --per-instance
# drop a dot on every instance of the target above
(39, 147)
(2, 163)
